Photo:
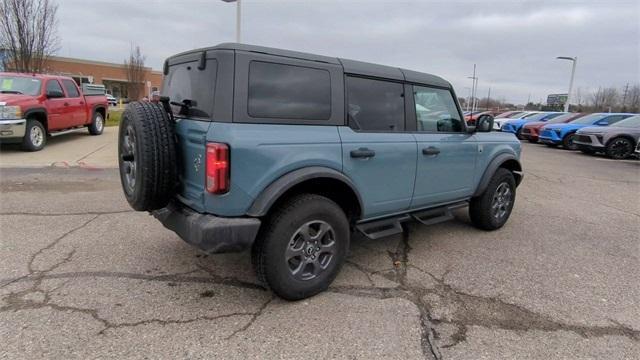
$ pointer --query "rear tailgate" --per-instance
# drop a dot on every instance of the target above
(191, 135)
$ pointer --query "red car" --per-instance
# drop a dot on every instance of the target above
(508, 114)
(33, 106)
(531, 130)
(472, 117)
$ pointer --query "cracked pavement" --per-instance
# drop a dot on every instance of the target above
(83, 276)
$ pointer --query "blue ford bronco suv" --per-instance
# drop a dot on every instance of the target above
(287, 154)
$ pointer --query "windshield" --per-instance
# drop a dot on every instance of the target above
(633, 122)
(529, 116)
(19, 85)
(560, 119)
(589, 119)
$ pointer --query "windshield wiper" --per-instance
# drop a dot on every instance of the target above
(10, 92)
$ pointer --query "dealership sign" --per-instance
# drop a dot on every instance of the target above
(556, 99)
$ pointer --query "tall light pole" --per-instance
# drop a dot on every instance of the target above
(468, 97)
(238, 17)
(573, 72)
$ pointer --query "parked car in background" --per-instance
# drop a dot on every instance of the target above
(111, 100)
(508, 114)
(33, 106)
(563, 134)
(473, 116)
(617, 141)
(497, 123)
(515, 126)
(531, 130)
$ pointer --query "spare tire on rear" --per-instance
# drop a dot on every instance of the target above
(147, 156)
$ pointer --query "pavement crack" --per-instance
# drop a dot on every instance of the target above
(253, 319)
(67, 213)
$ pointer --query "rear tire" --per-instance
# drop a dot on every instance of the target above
(619, 148)
(301, 247)
(147, 156)
(97, 124)
(491, 210)
(35, 136)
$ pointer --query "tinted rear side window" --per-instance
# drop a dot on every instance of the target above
(288, 92)
(375, 105)
(186, 84)
(70, 86)
(54, 86)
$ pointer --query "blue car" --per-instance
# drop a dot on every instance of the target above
(563, 134)
(515, 126)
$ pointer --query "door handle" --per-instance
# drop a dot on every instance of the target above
(81, 102)
(363, 153)
(431, 150)
(66, 104)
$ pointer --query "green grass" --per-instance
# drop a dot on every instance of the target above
(114, 117)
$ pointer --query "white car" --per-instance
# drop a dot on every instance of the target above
(111, 100)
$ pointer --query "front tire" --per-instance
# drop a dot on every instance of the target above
(567, 142)
(35, 136)
(619, 148)
(491, 210)
(97, 124)
(302, 247)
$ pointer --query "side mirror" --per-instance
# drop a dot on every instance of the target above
(52, 94)
(484, 123)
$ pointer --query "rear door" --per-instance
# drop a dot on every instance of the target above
(446, 153)
(192, 82)
(75, 104)
(377, 154)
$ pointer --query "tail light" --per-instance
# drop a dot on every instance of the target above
(217, 166)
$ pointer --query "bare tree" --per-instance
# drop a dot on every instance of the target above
(633, 98)
(28, 31)
(134, 67)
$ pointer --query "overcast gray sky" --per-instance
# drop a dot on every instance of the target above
(514, 43)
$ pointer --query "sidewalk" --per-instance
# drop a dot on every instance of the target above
(76, 149)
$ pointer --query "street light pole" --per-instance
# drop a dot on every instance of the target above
(238, 18)
(573, 72)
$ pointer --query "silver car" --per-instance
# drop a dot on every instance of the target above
(617, 141)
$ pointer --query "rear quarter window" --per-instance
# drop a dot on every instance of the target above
(186, 84)
(282, 91)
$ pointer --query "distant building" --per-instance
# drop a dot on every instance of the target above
(112, 76)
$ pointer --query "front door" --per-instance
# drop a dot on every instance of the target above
(446, 153)
(378, 156)
(58, 115)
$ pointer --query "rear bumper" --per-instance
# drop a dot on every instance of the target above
(209, 233)
(12, 129)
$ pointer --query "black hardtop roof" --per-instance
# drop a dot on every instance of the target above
(349, 66)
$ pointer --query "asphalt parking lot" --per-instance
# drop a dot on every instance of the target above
(83, 276)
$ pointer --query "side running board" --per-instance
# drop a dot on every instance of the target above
(391, 226)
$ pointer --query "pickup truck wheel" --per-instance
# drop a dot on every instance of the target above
(35, 136)
(302, 247)
(97, 125)
(147, 156)
(492, 208)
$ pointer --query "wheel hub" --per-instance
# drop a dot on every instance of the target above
(310, 250)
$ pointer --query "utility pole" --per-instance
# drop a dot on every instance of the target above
(474, 88)
(624, 97)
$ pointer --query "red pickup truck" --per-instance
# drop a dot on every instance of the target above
(33, 106)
